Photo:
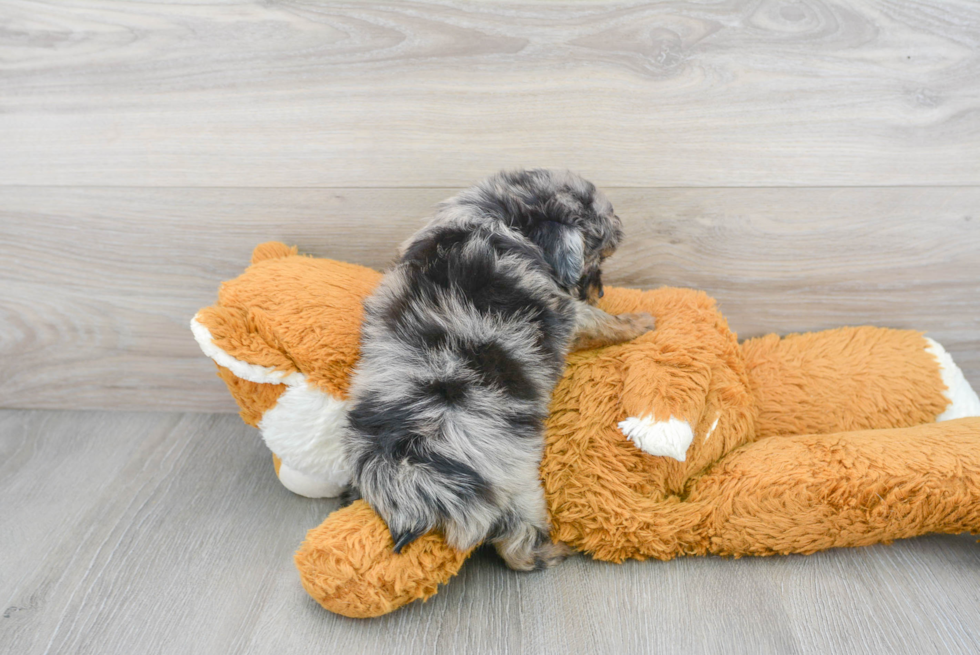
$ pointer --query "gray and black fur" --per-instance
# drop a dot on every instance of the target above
(462, 344)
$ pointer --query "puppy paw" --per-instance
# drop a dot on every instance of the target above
(544, 556)
(639, 323)
(349, 495)
(552, 555)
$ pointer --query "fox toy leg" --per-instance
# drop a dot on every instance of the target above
(348, 565)
(853, 379)
(805, 493)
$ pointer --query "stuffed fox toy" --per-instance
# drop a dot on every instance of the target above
(681, 442)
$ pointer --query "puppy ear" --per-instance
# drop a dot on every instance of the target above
(564, 250)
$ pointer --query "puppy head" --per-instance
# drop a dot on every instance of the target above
(566, 216)
(591, 216)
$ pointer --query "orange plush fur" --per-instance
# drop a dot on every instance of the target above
(800, 443)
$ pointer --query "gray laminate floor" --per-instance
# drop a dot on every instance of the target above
(168, 533)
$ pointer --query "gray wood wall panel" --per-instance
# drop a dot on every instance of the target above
(297, 93)
(810, 163)
(99, 283)
(168, 533)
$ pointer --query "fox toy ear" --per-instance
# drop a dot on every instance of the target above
(272, 250)
(564, 250)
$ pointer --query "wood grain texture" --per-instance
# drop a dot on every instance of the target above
(152, 532)
(99, 284)
(388, 94)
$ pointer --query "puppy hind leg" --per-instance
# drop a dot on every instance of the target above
(595, 328)
(524, 543)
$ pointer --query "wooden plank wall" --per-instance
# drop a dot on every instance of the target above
(810, 164)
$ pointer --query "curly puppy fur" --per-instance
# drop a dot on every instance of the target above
(462, 344)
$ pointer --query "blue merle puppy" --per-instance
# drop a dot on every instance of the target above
(462, 344)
